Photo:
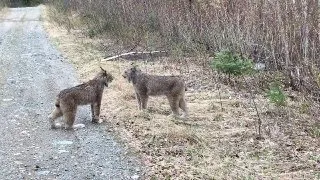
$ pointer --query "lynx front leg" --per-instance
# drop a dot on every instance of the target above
(174, 104)
(139, 101)
(144, 101)
(96, 112)
(95, 109)
(183, 106)
(92, 111)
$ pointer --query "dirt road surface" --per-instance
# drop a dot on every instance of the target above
(32, 72)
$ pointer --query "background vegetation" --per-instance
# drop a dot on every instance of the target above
(282, 34)
(18, 3)
(205, 40)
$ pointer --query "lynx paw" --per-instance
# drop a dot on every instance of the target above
(78, 126)
(184, 116)
(97, 120)
(56, 126)
(173, 116)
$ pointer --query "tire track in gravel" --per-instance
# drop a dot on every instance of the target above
(32, 73)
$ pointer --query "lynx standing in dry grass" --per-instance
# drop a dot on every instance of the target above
(149, 85)
(86, 93)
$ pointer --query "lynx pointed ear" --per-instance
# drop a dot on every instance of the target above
(134, 66)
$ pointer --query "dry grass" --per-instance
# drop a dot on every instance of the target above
(213, 143)
(3, 12)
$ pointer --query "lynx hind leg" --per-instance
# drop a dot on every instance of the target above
(56, 113)
(183, 106)
(144, 101)
(69, 117)
(139, 101)
(69, 110)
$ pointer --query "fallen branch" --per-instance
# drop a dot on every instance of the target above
(131, 53)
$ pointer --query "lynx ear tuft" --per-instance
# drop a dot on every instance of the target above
(102, 69)
(134, 66)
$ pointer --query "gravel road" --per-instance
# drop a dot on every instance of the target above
(32, 72)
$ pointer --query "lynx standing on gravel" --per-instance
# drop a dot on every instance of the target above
(149, 85)
(86, 93)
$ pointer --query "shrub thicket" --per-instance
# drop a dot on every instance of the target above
(31, 2)
(276, 94)
(231, 64)
(17, 3)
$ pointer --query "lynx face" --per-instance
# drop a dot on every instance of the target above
(130, 73)
(105, 77)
